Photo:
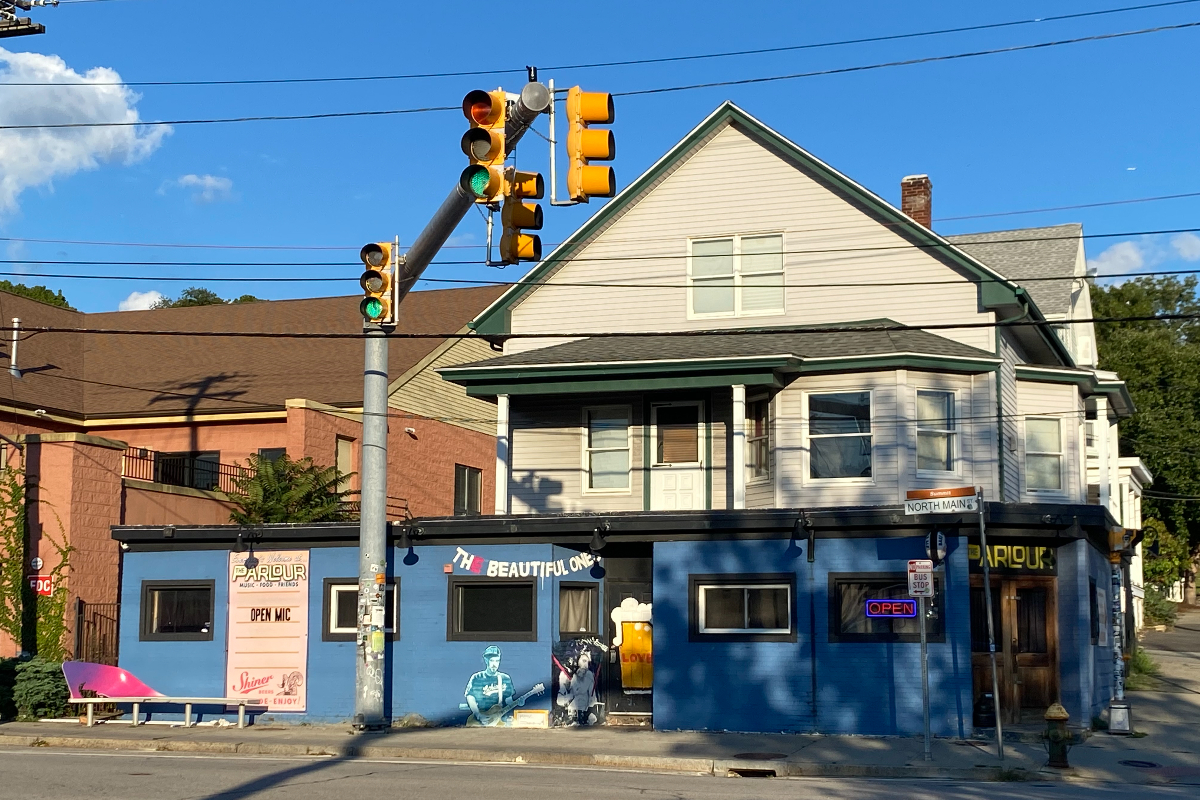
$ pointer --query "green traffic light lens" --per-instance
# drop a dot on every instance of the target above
(371, 308)
(475, 179)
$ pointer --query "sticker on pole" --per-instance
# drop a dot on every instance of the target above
(958, 500)
(920, 578)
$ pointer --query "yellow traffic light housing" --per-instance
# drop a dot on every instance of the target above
(515, 244)
(377, 283)
(483, 144)
(585, 145)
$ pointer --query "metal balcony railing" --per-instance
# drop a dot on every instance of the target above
(181, 469)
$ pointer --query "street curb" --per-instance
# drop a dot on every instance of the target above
(703, 766)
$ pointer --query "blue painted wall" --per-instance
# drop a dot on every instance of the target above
(866, 688)
(1086, 668)
(427, 674)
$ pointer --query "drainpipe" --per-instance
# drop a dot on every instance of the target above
(12, 353)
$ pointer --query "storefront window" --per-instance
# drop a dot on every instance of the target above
(340, 610)
(754, 606)
(848, 620)
(177, 610)
(492, 610)
(578, 607)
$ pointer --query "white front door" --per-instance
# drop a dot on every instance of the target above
(677, 456)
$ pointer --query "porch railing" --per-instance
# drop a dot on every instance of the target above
(181, 469)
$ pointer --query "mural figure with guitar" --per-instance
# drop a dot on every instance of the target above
(490, 693)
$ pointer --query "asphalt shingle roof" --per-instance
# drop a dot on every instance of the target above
(815, 344)
(1031, 253)
(99, 375)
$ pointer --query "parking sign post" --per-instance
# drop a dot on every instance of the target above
(920, 586)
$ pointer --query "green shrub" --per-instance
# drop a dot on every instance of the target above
(1158, 610)
(1140, 663)
(8, 676)
(40, 689)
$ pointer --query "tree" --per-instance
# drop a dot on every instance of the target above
(198, 296)
(1160, 362)
(286, 490)
(40, 293)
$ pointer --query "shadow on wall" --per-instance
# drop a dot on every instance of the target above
(542, 495)
(810, 684)
(196, 392)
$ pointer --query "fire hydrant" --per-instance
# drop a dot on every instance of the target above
(1058, 738)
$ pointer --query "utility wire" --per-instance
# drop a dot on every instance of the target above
(630, 93)
(166, 245)
(28, 331)
(468, 282)
(629, 62)
(666, 256)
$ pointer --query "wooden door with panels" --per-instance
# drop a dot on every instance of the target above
(1025, 619)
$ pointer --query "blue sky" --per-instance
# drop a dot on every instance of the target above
(1061, 126)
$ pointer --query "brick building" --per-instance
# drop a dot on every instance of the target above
(142, 429)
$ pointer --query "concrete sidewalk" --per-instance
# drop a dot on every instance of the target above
(693, 752)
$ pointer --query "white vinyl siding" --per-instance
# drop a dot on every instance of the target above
(1009, 429)
(729, 186)
(1041, 405)
(423, 393)
(547, 442)
(736, 276)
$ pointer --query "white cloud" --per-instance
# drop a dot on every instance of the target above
(140, 301)
(209, 188)
(1187, 246)
(1121, 257)
(36, 156)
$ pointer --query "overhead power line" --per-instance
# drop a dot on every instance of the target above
(469, 282)
(28, 331)
(629, 93)
(626, 62)
(200, 246)
(666, 256)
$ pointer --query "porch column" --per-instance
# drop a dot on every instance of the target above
(738, 461)
(1101, 437)
(503, 454)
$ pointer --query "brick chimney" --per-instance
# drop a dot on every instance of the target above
(916, 198)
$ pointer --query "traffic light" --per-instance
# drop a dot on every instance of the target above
(585, 145)
(377, 283)
(515, 245)
(483, 143)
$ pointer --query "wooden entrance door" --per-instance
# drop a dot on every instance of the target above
(1025, 617)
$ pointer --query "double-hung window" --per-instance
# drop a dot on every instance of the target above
(606, 449)
(936, 432)
(1043, 454)
(467, 485)
(839, 435)
(736, 276)
(758, 439)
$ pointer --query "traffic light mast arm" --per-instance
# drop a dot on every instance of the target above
(534, 100)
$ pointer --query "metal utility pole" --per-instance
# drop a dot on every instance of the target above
(369, 711)
(991, 628)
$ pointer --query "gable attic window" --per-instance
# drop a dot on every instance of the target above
(736, 276)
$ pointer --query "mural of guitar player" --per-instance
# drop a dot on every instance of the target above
(577, 666)
(490, 693)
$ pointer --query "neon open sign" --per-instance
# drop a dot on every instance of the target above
(891, 608)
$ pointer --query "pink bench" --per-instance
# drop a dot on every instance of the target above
(116, 685)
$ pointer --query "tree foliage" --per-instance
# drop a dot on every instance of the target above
(1160, 362)
(42, 294)
(286, 490)
(199, 296)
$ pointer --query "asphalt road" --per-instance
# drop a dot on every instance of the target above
(1183, 638)
(33, 774)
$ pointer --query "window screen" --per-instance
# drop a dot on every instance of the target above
(848, 620)
(177, 610)
(500, 610)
